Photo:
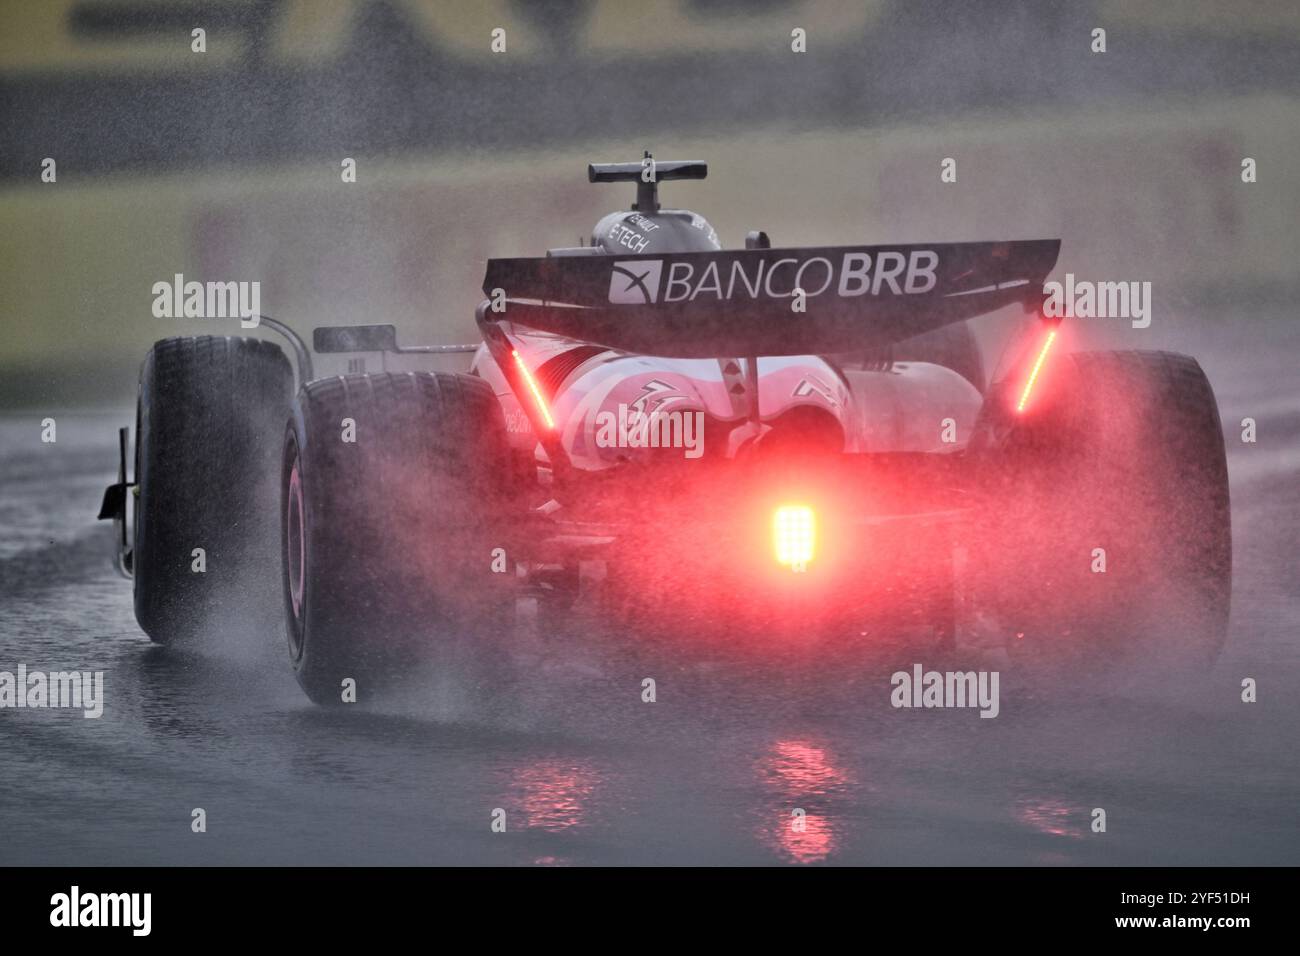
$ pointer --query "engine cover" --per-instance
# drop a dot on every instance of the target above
(611, 407)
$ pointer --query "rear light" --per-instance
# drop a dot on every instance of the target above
(532, 387)
(794, 534)
(1038, 367)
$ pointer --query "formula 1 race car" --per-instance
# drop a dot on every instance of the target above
(747, 443)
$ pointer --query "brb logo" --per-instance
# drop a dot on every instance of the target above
(847, 275)
(635, 282)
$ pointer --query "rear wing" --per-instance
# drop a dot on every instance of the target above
(744, 302)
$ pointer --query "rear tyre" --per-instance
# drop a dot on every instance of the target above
(209, 417)
(1125, 464)
(397, 489)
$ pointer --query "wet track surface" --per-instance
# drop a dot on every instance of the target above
(588, 773)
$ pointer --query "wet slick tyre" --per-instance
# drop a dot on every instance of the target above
(209, 421)
(1110, 515)
(397, 488)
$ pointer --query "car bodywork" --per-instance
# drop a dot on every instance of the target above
(797, 398)
(796, 438)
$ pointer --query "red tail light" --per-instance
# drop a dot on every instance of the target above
(794, 534)
(532, 387)
(1038, 367)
